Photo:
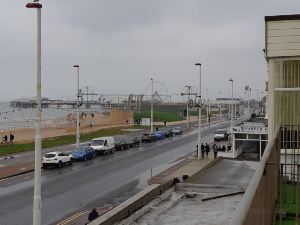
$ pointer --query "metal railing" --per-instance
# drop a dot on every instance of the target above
(259, 201)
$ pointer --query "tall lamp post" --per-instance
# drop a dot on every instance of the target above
(231, 118)
(199, 116)
(77, 111)
(152, 105)
(187, 107)
(37, 199)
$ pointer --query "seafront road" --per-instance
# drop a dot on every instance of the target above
(104, 181)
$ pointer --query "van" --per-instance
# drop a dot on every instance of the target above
(103, 145)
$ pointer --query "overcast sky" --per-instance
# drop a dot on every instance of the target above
(120, 45)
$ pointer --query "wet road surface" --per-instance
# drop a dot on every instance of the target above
(103, 181)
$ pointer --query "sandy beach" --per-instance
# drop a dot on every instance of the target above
(116, 118)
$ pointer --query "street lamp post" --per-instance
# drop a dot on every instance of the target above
(37, 199)
(187, 107)
(231, 119)
(77, 111)
(199, 116)
(152, 105)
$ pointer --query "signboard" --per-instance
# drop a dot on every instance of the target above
(146, 122)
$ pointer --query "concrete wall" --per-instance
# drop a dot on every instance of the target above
(128, 207)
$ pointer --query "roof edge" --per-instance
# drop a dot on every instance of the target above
(283, 17)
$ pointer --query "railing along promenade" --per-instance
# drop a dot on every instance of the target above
(259, 201)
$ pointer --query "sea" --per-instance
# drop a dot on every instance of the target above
(11, 117)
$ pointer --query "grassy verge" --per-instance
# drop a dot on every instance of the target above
(60, 140)
(158, 116)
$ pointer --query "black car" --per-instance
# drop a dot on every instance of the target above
(168, 132)
(133, 141)
(120, 145)
(148, 138)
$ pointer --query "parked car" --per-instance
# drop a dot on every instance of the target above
(147, 137)
(133, 141)
(177, 130)
(159, 135)
(168, 132)
(56, 159)
(120, 145)
(84, 154)
(103, 145)
(221, 135)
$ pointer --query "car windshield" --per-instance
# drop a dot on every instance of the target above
(50, 155)
(80, 151)
(176, 128)
(97, 142)
(220, 131)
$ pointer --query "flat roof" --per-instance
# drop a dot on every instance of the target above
(283, 17)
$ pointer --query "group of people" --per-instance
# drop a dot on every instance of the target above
(5, 139)
(217, 149)
(205, 149)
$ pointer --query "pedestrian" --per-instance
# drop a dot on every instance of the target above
(93, 214)
(207, 149)
(215, 150)
(11, 138)
(202, 151)
(223, 148)
(197, 150)
(219, 148)
(4, 139)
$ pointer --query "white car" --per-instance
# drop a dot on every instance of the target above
(56, 159)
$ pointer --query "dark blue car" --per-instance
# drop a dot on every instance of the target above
(83, 154)
(159, 135)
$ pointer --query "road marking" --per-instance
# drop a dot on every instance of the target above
(71, 218)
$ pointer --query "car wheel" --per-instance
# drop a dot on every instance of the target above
(94, 155)
(71, 162)
(85, 158)
(60, 164)
(44, 167)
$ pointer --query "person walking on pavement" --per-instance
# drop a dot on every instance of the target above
(219, 148)
(4, 139)
(223, 148)
(215, 150)
(93, 214)
(207, 149)
(11, 138)
(202, 151)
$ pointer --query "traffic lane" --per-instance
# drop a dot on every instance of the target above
(94, 179)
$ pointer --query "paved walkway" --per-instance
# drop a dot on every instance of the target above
(188, 165)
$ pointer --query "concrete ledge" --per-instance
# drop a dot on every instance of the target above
(126, 208)
(200, 172)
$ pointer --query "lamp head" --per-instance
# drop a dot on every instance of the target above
(197, 64)
(76, 66)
